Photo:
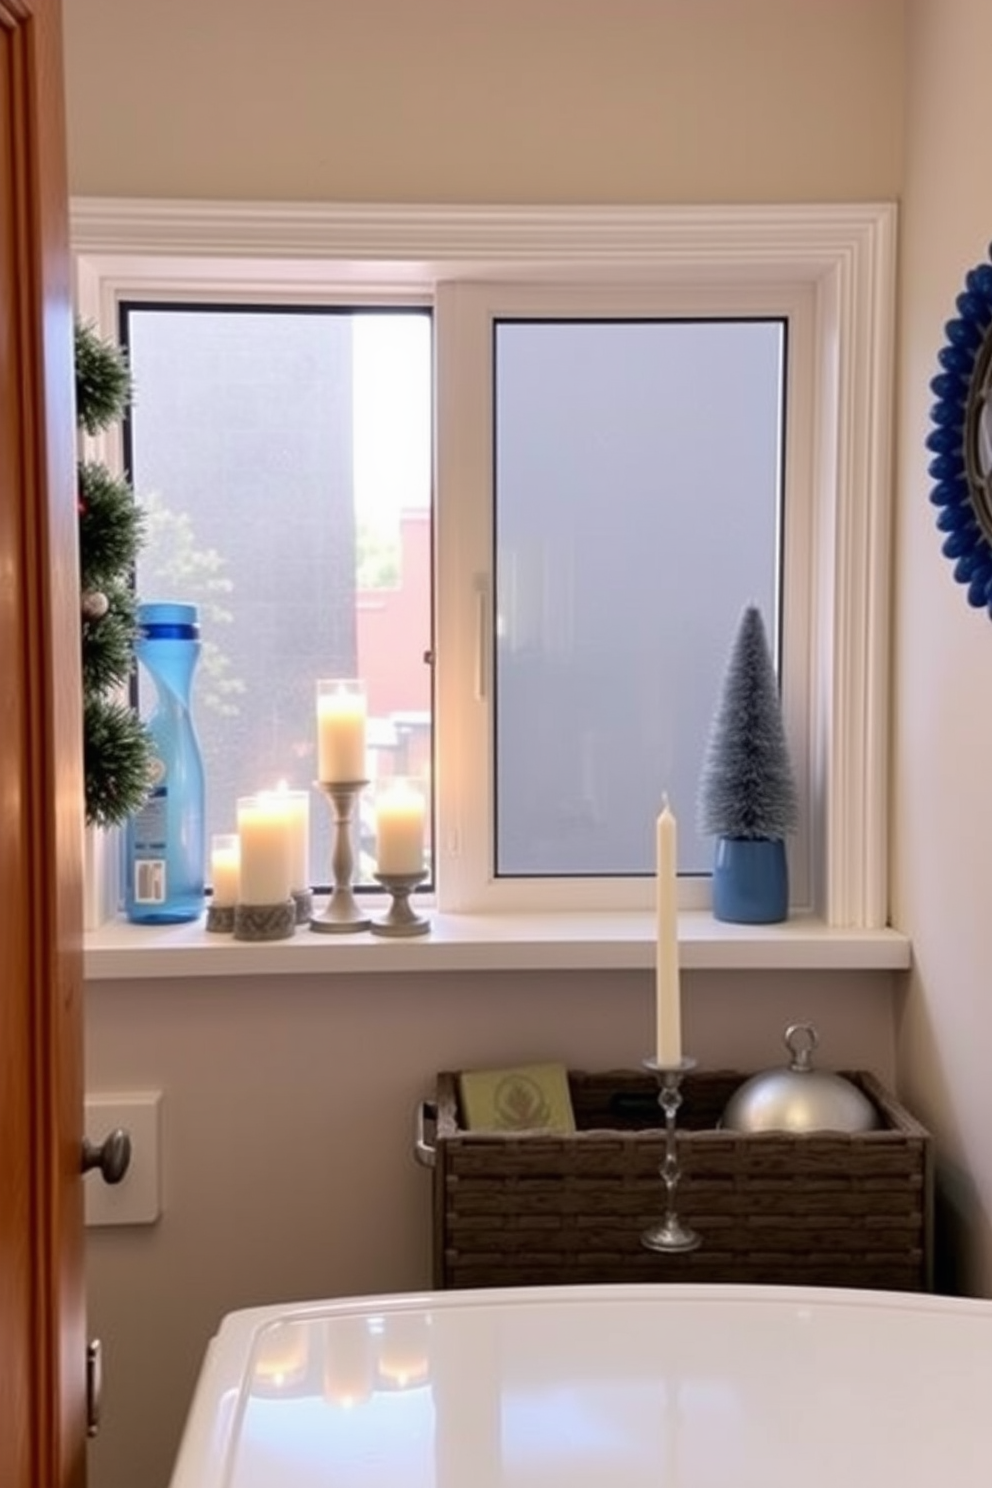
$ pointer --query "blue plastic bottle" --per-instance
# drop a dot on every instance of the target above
(165, 844)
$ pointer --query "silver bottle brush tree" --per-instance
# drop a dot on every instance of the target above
(747, 790)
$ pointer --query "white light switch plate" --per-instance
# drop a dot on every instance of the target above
(135, 1200)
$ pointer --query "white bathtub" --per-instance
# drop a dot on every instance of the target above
(598, 1387)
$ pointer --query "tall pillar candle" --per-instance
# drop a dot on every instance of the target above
(341, 714)
(668, 1004)
(263, 831)
(400, 810)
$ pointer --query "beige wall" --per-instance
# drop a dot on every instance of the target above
(486, 100)
(286, 1123)
(942, 784)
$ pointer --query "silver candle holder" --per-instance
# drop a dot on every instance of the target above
(303, 905)
(264, 921)
(220, 918)
(670, 1234)
(401, 918)
(342, 914)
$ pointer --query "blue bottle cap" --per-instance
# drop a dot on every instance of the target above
(168, 614)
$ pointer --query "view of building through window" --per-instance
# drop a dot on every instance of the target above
(283, 459)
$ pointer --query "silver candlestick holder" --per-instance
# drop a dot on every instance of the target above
(341, 915)
(670, 1234)
(401, 918)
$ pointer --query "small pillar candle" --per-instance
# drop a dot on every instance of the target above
(297, 807)
(225, 869)
(263, 829)
(399, 824)
(667, 990)
(341, 714)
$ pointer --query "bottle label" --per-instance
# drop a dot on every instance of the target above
(149, 881)
(150, 878)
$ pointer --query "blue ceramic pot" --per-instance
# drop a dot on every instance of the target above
(750, 880)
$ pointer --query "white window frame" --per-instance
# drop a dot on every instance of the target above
(464, 318)
(835, 266)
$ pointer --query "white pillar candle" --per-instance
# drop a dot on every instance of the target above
(341, 713)
(399, 825)
(297, 806)
(225, 869)
(263, 829)
(667, 990)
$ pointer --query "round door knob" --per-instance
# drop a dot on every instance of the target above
(112, 1156)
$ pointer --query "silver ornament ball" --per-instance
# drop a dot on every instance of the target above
(95, 605)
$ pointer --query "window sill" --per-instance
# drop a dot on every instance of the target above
(504, 942)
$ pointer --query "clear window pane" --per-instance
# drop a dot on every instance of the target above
(283, 459)
(638, 476)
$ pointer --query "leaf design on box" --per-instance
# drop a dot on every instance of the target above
(520, 1103)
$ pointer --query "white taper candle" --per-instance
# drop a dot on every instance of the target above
(667, 989)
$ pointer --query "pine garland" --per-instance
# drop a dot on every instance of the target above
(747, 788)
(115, 759)
(108, 641)
(116, 746)
(103, 380)
(111, 526)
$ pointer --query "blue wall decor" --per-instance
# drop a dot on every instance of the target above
(960, 439)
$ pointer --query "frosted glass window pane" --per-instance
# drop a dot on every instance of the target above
(637, 511)
(283, 459)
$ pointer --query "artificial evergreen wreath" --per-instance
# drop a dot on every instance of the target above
(116, 745)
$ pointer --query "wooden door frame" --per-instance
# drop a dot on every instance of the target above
(42, 1375)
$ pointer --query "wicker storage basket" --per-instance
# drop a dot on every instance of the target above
(532, 1208)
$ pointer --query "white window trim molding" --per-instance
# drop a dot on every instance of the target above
(846, 251)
